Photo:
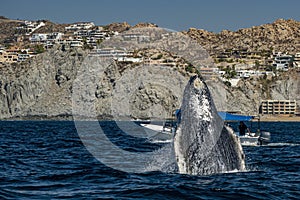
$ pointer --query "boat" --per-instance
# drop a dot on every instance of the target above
(160, 132)
(164, 132)
(251, 138)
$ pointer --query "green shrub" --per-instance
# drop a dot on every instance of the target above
(39, 48)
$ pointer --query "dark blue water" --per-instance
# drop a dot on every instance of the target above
(47, 160)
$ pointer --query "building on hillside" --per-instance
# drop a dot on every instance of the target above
(296, 62)
(71, 41)
(278, 107)
(297, 111)
(29, 27)
(14, 55)
(2, 49)
(46, 37)
(99, 34)
(76, 43)
(9, 55)
(209, 72)
(38, 38)
(23, 56)
(282, 62)
(119, 55)
(92, 37)
(129, 59)
(136, 37)
(80, 26)
(110, 52)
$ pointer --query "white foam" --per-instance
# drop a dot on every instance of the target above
(281, 144)
(161, 141)
(237, 171)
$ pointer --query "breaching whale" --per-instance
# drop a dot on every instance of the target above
(202, 144)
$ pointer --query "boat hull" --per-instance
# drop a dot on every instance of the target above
(252, 139)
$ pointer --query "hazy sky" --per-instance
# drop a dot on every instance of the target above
(212, 15)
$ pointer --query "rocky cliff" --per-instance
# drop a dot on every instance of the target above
(48, 84)
(7, 30)
(44, 87)
(282, 35)
(39, 87)
(246, 97)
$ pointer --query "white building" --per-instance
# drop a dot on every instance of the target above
(38, 37)
(296, 62)
(23, 56)
(119, 55)
(92, 36)
(2, 49)
(279, 107)
(82, 33)
(129, 59)
(243, 73)
(136, 36)
(80, 26)
(110, 52)
(48, 39)
(54, 37)
(97, 34)
(30, 26)
(282, 62)
(76, 43)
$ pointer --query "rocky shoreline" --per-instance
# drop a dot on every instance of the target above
(264, 118)
(279, 119)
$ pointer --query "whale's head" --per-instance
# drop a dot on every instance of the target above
(198, 110)
(197, 98)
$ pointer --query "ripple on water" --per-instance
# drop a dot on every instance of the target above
(47, 160)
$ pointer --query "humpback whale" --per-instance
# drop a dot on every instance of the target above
(203, 144)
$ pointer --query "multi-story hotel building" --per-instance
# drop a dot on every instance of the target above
(278, 107)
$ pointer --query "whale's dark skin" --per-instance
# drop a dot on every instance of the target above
(203, 145)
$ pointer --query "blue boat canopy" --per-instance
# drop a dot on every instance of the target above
(233, 117)
(224, 115)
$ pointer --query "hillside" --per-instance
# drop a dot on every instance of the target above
(281, 35)
(7, 30)
(51, 27)
(43, 86)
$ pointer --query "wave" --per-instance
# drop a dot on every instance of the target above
(280, 144)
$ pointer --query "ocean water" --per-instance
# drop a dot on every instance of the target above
(47, 160)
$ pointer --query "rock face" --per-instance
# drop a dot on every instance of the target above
(119, 27)
(7, 30)
(246, 97)
(143, 25)
(43, 86)
(282, 35)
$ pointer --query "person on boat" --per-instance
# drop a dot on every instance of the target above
(243, 128)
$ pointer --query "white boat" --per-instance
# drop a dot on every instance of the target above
(257, 138)
(160, 133)
(253, 139)
(164, 132)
